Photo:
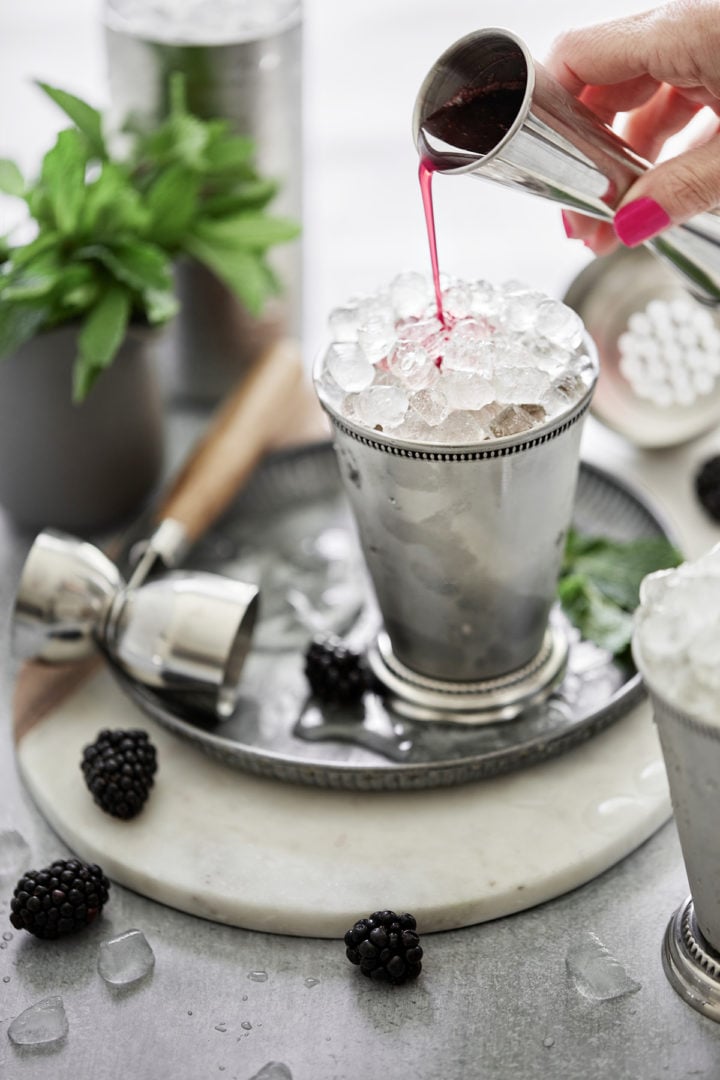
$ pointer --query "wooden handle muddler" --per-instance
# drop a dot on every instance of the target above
(236, 439)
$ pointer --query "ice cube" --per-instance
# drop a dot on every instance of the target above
(457, 301)
(597, 974)
(414, 428)
(466, 390)
(14, 854)
(349, 366)
(343, 323)
(520, 311)
(376, 337)
(41, 1024)
(484, 300)
(274, 1070)
(513, 420)
(469, 347)
(420, 331)
(559, 323)
(517, 385)
(412, 366)
(381, 407)
(410, 295)
(430, 405)
(460, 429)
(703, 657)
(125, 959)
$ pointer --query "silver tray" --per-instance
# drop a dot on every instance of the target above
(292, 532)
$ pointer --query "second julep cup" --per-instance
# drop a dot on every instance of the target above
(463, 543)
(676, 646)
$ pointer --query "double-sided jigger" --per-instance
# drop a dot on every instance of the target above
(183, 634)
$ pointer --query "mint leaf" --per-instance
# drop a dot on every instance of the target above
(100, 338)
(253, 231)
(250, 195)
(616, 568)
(18, 323)
(597, 618)
(34, 281)
(11, 179)
(229, 154)
(242, 271)
(161, 305)
(63, 178)
(172, 202)
(86, 119)
(135, 263)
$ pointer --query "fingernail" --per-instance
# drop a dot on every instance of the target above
(640, 220)
(567, 226)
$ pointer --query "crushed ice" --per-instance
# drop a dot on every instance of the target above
(506, 360)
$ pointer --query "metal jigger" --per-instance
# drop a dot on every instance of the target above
(487, 109)
(186, 634)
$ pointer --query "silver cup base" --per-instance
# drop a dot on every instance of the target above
(691, 965)
(489, 701)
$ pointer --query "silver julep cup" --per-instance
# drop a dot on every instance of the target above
(463, 545)
(691, 748)
(253, 78)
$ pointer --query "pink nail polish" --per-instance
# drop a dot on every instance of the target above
(640, 220)
(567, 226)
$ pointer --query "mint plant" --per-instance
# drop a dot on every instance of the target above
(109, 227)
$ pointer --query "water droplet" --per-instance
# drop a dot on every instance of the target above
(258, 976)
(189, 1012)
(244, 997)
(309, 982)
(3, 944)
(246, 1025)
(7, 936)
(6, 978)
(549, 1041)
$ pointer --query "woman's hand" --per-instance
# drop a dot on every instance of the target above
(661, 68)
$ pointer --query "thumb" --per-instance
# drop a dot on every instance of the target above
(670, 193)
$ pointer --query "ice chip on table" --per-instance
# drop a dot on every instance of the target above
(596, 973)
(14, 854)
(349, 366)
(125, 959)
(676, 641)
(274, 1070)
(41, 1024)
(506, 352)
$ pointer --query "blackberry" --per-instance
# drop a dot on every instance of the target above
(335, 672)
(119, 768)
(707, 486)
(386, 947)
(60, 899)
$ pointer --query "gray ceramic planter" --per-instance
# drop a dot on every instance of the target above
(83, 468)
